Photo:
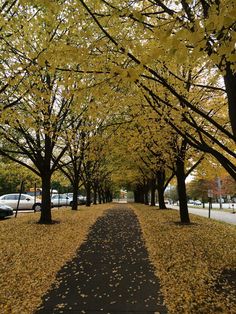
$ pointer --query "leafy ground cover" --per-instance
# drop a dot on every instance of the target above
(196, 263)
(31, 254)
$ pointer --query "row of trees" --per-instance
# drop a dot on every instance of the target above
(157, 76)
(149, 164)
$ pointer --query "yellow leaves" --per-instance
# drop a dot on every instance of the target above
(51, 5)
(129, 74)
(229, 20)
(220, 17)
(137, 15)
(232, 58)
(189, 259)
(63, 55)
(31, 254)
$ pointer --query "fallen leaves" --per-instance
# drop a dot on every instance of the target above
(193, 262)
(31, 254)
(189, 260)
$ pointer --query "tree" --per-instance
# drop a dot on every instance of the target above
(209, 175)
(198, 189)
(32, 132)
(36, 97)
(11, 176)
(95, 172)
(71, 163)
(168, 56)
(160, 37)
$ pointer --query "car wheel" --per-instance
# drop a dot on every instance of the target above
(37, 207)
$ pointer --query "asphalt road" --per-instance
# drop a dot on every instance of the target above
(228, 217)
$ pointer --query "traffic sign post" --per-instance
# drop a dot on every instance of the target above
(210, 195)
(18, 202)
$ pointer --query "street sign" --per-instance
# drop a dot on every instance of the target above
(210, 193)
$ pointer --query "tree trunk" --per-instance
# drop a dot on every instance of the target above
(161, 188)
(75, 192)
(99, 195)
(95, 192)
(135, 196)
(107, 193)
(146, 201)
(183, 204)
(153, 191)
(141, 195)
(146, 192)
(103, 196)
(230, 85)
(46, 216)
(110, 196)
(88, 193)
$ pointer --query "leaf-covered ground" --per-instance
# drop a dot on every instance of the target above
(111, 272)
(31, 254)
(196, 263)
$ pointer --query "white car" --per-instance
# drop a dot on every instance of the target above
(81, 199)
(25, 202)
(191, 201)
(58, 200)
(197, 202)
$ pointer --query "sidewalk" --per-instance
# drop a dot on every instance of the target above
(111, 272)
(228, 217)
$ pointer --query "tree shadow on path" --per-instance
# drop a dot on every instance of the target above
(110, 274)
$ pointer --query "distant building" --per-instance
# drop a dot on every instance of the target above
(123, 194)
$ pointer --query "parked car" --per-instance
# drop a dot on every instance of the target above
(26, 201)
(5, 211)
(81, 199)
(191, 201)
(61, 200)
(197, 202)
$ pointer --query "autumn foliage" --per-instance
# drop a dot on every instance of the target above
(95, 63)
(191, 261)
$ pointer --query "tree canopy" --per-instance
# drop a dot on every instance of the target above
(165, 69)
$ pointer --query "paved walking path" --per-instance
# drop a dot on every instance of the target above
(110, 274)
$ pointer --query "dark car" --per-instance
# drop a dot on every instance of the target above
(5, 211)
